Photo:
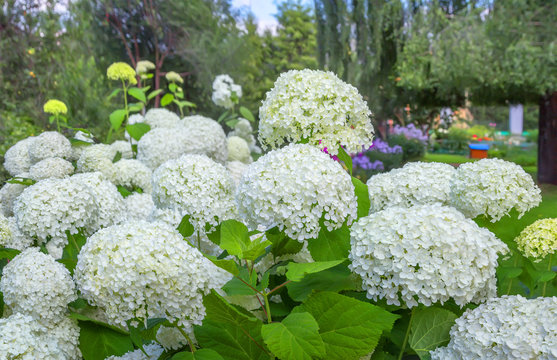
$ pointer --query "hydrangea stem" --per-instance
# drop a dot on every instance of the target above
(548, 269)
(184, 334)
(267, 308)
(401, 354)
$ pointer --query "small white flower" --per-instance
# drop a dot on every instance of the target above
(225, 92)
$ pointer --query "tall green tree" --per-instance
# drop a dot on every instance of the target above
(501, 54)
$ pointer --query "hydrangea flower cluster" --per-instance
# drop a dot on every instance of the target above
(236, 170)
(294, 187)
(35, 284)
(55, 107)
(225, 92)
(194, 135)
(53, 167)
(51, 207)
(538, 239)
(143, 67)
(49, 144)
(244, 130)
(17, 159)
(122, 147)
(317, 106)
(161, 118)
(152, 352)
(10, 235)
(132, 173)
(97, 157)
(141, 270)
(121, 71)
(417, 183)
(8, 193)
(22, 337)
(195, 185)
(139, 206)
(493, 187)
(510, 327)
(238, 150)
(424, 254)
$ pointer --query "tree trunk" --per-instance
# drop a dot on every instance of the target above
(547, 140)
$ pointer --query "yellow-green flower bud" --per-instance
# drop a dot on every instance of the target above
(121, 71)
(538, 239)
(55, 107)
(144, 66)
(173, 76)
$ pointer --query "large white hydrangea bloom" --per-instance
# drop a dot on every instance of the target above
(244, 130)
(236, 169)
(22, 337)
(152, 352)
(35, 284)
(510, 328)
(424, 254)
(416, 183)
(208, 136)
(139, 206)
(493, 187)
(51, 207)
(54, 167)
(122, 147)
(161, 118)
(162, 144)
(146, 270)
(238, 150)
(8, 193)
(50, 144)
(109, 201)
(195, 185)
(10, 235)
(17, 159)
(294, 187)
(97, 157)
(225, 92)
(132, 173)
(317, 106)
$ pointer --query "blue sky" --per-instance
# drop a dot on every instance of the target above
(263, 11)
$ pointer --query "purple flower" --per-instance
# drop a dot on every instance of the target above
(411, 132)
(362, 161)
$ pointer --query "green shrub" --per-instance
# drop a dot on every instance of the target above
(413, 149)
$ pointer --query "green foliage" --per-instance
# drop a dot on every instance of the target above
(296, 337)
(330, 245)
(412, 149)
(430, 329)
(202, 354)
(297, 271)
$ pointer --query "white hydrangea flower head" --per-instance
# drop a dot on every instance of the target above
(417, 183)
(97, 157)
(123, 147)
(198, 186)
(17, 159)
(171, 217)
(294, 187)
(35, 284)
(132, 173)
(153, 351)
(318, 106)
(171, 338)
(238, 150)
(162, 144)
(208, 137)
(428, 253)
(509, 327)
(50, 144)
(156, 118)
(538, 239)
(53, 167)
(244, 130)
(8, 193)
(10, 235)
(141, 270)
(22, 337)
(139, 206)
(236, 169)
(225, 92)
(493, 187)
(110, 203)
(51, 207)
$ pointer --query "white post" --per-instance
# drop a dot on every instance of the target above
(516, 119)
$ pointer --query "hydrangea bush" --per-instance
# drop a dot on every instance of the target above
(181, 243)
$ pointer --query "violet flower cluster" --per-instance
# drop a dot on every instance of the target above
(410, 131)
